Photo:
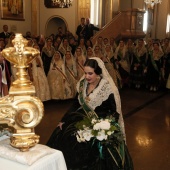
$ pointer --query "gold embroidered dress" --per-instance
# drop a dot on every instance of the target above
(58, 82)
(40, 80)
(71, 71)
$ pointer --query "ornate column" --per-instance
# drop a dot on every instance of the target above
(34, 16)
(21, 109)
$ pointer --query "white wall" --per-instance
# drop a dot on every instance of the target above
(68, 14)
(21, 26)
(44, 16)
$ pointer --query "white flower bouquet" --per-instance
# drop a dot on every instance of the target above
(101, 129)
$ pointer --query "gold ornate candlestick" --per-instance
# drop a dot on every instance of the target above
(21, 109)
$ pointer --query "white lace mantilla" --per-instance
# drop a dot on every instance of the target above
(99, 94)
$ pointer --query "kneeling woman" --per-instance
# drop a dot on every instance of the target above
(98, 99)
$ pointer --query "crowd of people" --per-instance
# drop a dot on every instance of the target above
(55, 73)
(69, 65)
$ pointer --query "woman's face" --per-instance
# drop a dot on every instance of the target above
(78, 52)
(166, 41)
(100, 40)
(57, 56)
(58, 40)
(150, 42)
(112, 40)
(121, 43)
(68, 55)
(49, 42)
(65, 42)
(156, 47)
(97, 49)
(108, 48)
(90, 75)
(89, 52)
(81, 41)
(105, 41)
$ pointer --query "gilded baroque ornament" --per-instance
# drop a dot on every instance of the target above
(21, 110)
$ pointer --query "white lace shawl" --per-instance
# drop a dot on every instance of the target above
(140, 52)
(124, 50)
(101, 93)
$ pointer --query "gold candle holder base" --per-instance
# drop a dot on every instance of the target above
(24, 142)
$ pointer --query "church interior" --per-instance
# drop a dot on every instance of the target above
(146, 112)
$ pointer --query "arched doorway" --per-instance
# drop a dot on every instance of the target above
(53, 24)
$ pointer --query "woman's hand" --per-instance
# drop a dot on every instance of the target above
(60, 125)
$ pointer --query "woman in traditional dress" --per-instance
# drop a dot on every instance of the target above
(138, 65)
(10, 44)
(166, 59)
(89, 43)
(57, 42)
(58, 82)
(130, 49)
(37, 75)
(113, 44)
(64, 46)
(80, 60)
(99, 42)
(98, 98)
(98, 52)
(108, 56)
(47, 52)
(4, 77)
(154, 67)
(121, 60)
(71, 71)
(90, 52)
(149, 45)
(105, 41)
(82, 45)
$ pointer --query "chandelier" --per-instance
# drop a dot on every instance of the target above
(151, 3)
(61, 3)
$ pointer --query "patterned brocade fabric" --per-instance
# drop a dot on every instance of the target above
(26, 158)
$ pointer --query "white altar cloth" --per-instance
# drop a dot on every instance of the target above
(54, 160)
